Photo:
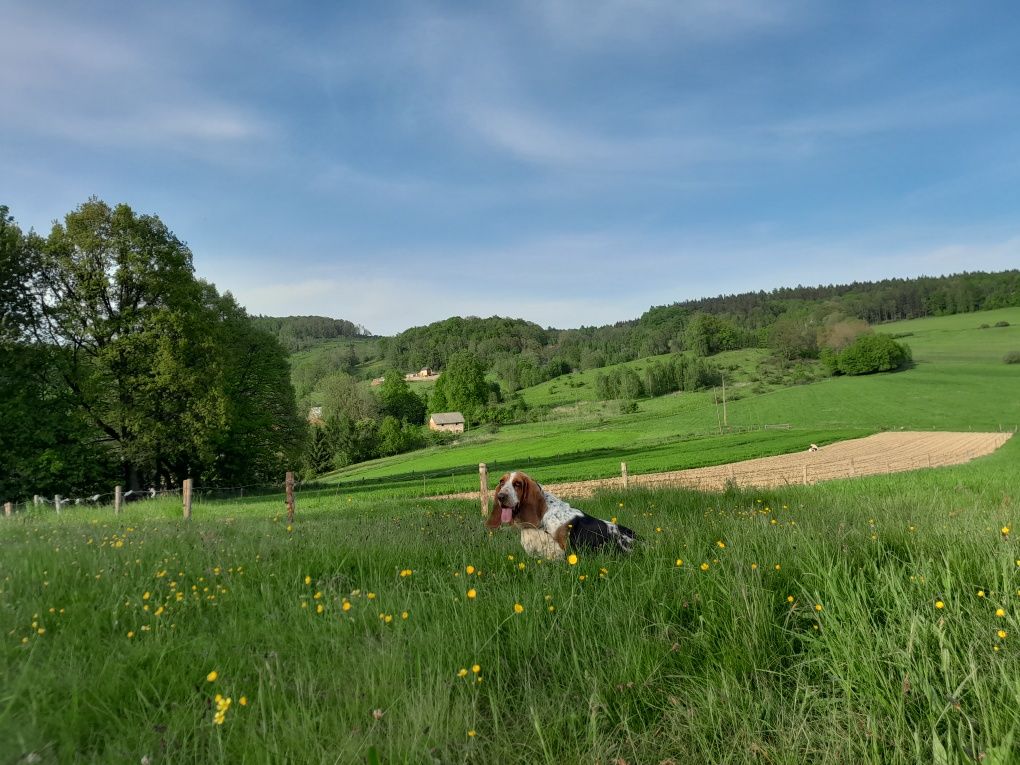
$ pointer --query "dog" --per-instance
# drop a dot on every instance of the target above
(548, 524)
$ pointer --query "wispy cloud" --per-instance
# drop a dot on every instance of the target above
(85, 81)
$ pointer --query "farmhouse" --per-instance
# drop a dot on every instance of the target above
(423, 375)
(451, 422)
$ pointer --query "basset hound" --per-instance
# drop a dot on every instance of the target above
(548, 524)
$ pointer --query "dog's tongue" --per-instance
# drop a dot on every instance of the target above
(507, 515)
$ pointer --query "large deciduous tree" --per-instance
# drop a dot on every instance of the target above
(172, 375)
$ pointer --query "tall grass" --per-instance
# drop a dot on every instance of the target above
(636, 658)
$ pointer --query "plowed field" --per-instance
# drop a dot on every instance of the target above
(892, 452)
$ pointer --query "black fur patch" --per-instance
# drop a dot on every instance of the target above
(595, 534)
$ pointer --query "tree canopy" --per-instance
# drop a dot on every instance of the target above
(164, 377)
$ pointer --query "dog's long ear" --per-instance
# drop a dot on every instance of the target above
(532, 505)
(494, 521)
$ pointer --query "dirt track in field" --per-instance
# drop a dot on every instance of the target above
(892, 452)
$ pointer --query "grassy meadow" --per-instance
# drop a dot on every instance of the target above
(864, 620)
(871, 620)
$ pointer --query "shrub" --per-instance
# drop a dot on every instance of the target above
(870, 353)
(1013, 357)
(1002, 324)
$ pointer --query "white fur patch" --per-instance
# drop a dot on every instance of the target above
(539, 544)
(558, 513)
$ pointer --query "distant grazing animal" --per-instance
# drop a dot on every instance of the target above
(548, 524)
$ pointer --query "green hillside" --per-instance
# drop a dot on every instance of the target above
(958, 382)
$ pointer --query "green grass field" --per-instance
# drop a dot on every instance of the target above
(813, 634)
(866, 620)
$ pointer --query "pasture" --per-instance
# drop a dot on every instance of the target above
(870, 620)
(958, 383)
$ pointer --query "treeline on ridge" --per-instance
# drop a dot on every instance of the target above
(794, 322)
(296, 333)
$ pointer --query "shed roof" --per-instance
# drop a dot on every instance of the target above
(447, 418)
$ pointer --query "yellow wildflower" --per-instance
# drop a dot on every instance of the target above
(939, 604)
(704, 567)
(211, 677)
(518, 608)
(472, 593)
(679, 561)
(572, 559)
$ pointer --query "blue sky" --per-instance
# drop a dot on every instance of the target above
(571, 162)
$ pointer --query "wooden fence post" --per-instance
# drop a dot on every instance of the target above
(483, 486)
(8, 509)
(804, 474)
(118, 499)
(290, 496)
(929, 460)
(624, 476)
(186, 496)
(56, 502)
(36, 500)
(853, 467)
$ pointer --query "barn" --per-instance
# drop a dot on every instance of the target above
(451, 422)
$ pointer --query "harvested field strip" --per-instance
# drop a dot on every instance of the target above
(891, 452)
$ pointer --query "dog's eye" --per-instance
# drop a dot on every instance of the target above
(517, 484)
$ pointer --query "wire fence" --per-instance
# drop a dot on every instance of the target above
(61, 504)
(887, 452)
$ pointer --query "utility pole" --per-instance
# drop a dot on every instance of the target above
(724, 422)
